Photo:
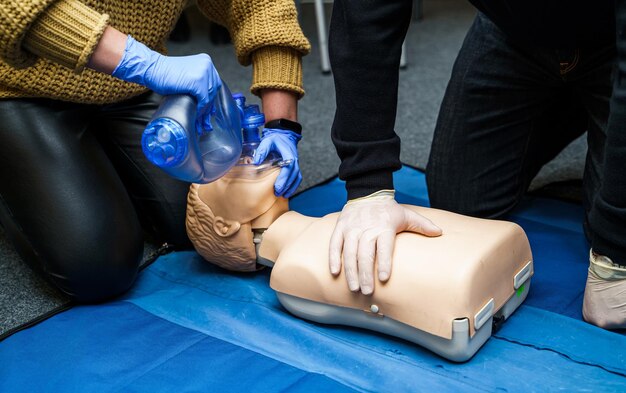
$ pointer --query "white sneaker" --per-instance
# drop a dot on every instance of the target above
(604, 304)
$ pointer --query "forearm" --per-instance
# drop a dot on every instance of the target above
(365, 48)
(279, 104)
(109, 51)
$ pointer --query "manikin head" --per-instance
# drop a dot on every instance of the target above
(223, 217)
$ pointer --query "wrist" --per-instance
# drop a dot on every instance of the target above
(378, 195)
(109, 51)
(284, 124)
(279, 104)
(136, 60)
(365, 184)
(292, 136)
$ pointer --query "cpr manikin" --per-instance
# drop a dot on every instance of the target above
(445, 293)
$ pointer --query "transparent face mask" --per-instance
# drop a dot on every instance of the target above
(246, 169)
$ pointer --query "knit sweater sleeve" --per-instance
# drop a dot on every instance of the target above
(63, 31)
(267, 35)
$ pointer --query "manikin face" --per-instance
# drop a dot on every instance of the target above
(242, 195)
(223, 215)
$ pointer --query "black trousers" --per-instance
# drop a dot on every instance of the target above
(607, 219)
(508, 110)
(76, 190)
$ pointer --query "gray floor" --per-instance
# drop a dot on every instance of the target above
(431, 48)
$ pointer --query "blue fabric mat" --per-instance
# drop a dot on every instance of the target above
(188, 326)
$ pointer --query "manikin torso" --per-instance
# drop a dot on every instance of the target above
(434, 281)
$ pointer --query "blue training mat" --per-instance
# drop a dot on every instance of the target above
(190, 326)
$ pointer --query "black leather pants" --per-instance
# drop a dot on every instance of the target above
(76, 191)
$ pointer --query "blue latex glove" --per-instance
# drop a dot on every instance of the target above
(285, 143)
(194, 75)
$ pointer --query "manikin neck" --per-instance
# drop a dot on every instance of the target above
(278, 208)
(278, 235)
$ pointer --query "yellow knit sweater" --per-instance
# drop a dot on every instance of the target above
(45, 44)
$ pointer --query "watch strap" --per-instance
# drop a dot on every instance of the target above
(285, 124)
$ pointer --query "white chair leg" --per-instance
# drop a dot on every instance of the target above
(403, 55)
(322, 35)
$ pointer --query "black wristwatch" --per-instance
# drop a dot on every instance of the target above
(284, 124)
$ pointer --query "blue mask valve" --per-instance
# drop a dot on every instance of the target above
(164, 142)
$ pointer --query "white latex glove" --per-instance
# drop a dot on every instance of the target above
(604, 304)
(366, 231)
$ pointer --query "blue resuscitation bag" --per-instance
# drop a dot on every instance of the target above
(172, 141)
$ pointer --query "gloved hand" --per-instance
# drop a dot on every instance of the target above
(283, 142)
(366, 231)
(194, 75)
(604, 304)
